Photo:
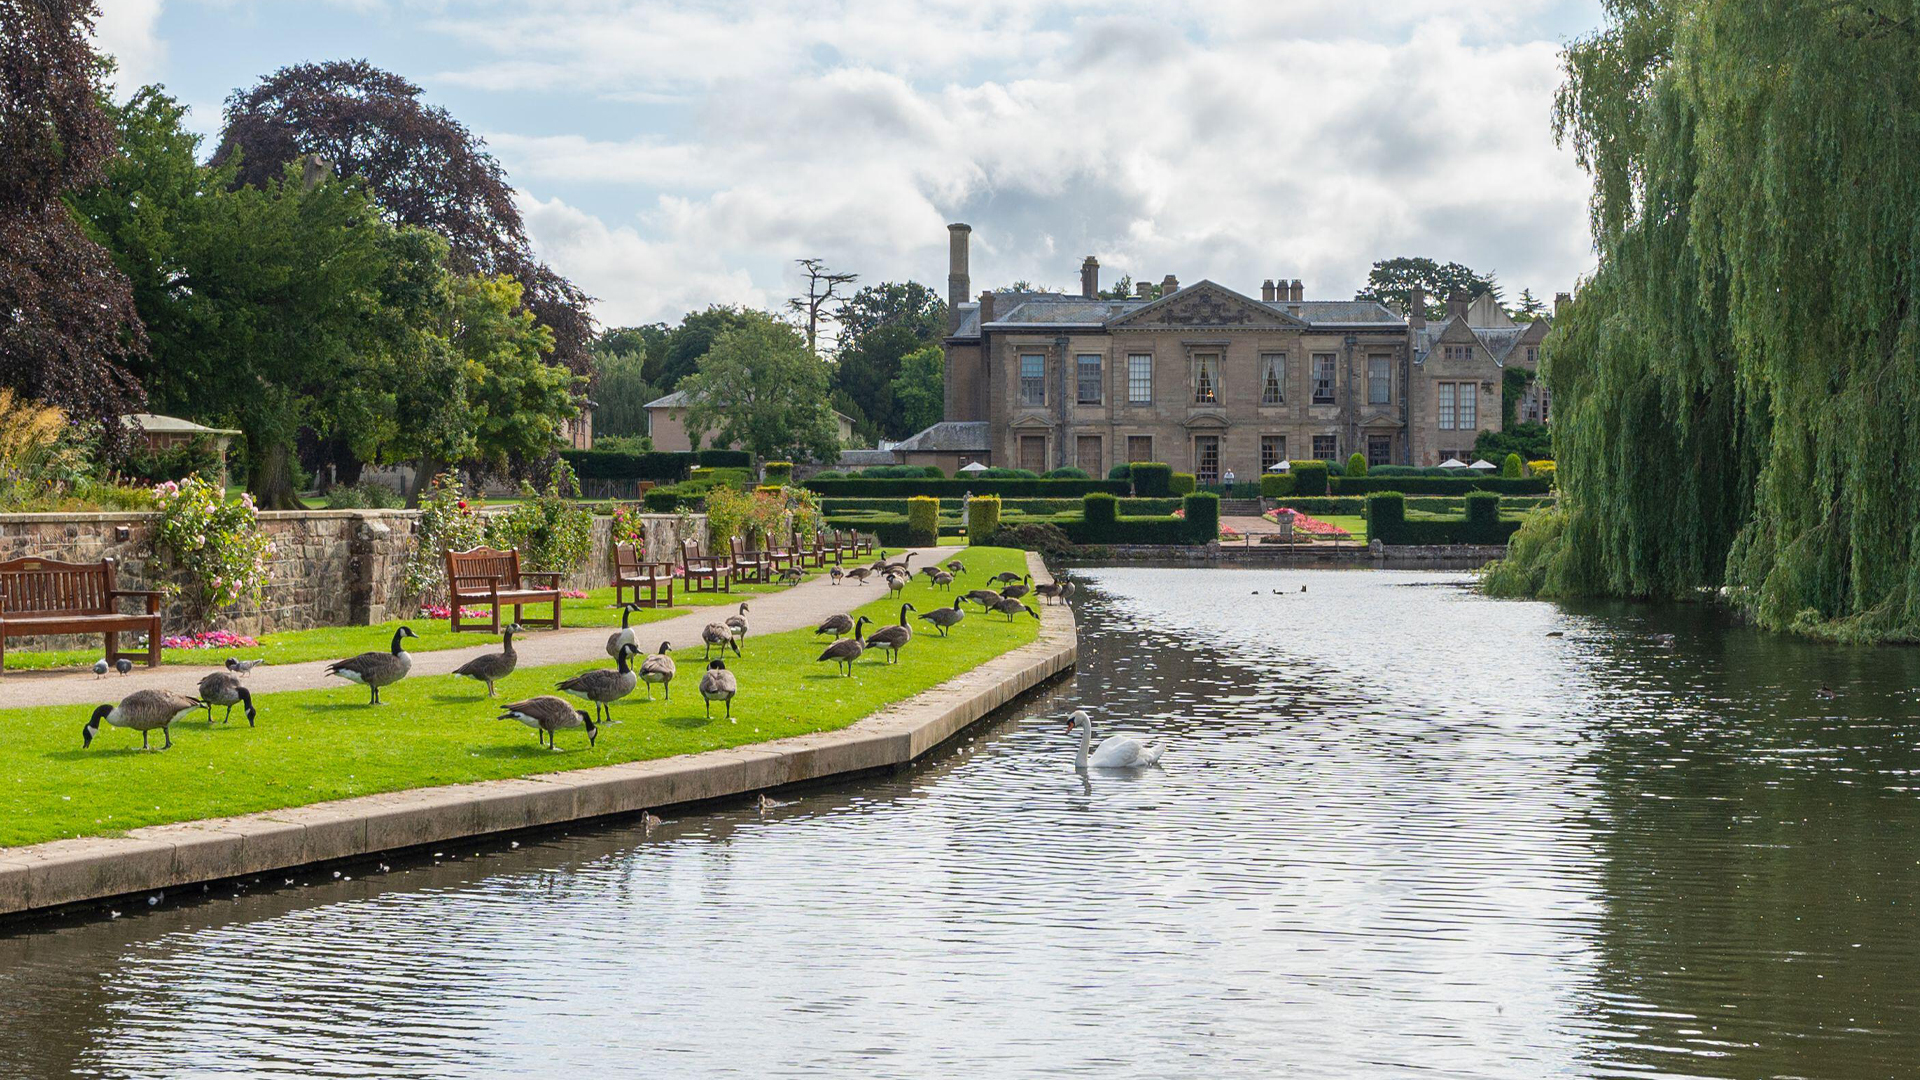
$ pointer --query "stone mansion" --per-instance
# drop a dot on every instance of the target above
(1211, 380)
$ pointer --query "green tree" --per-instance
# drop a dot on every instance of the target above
(1391, 282)
(1530, 307)
(920, 390)
(620, 393)
(867, 369)
(759, 387)
(519, 401)
(688, 342)
(1512, 467)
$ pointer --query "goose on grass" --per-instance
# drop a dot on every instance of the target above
(490, 668)
(604, 686)
(1020, 590)
(659, 668)
(893, 638)
(945, 617)
(142, 711)
(721, 635)
(1011, 606)
(223, 688)
(547, 714)
(374, 670)
(837, 625)
(624, 635)
(845, 651)
(986, 598)
(719, 684)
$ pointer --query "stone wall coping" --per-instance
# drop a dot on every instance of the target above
(42, 877)
(124, 516)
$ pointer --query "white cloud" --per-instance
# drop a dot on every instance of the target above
(125, 30)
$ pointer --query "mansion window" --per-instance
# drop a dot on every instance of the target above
(1033, 380)
(1458, 406)
(1379, 450)
(1457, 352)
(1206, 380)
(1469, 420)
(1206, 458)
(1139, 448)
(1088, 368)
(1326, 447)
(1323, 378)
(1533, 355)
(1273, 379)
(1140, 379)
(1273, 451)
(1379, 380)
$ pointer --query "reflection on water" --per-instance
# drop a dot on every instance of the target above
(1399, 830)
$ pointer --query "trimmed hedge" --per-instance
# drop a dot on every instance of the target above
(889, 529)
(615, 465)
(1276, 485)
(983, 519)
(898, 472)
(1151, 479)
(1182, 484)
(1203, 517)
(709, 475)
(1357, 464)
(778, 473)
(1099, 511)
(1310, 478)
(726, 459)
(1067, 472)
(1387, 522)
(1433, 485)
(923, 521)
(661, 500)
(1100, 523)
(903, 488)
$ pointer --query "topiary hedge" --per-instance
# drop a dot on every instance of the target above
(923, 521)
(983, 518)
(668, 468)
(1309, 478)
(1151, 479)
(1099, 511)
(1203, 517)
(1182, 484)
(1017, 488)
(1276, 485)
(726, 459)
(777, 473)
(1357, 464)
(1068, 472)
(661, 500)
(1388, 523)
(1434, 485)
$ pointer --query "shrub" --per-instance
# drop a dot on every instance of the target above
(1512, 468)
(198, 456)
(661, 500)
(365, 495)
(1000, 473)
(829, 474)
(1309, 478)
(1357, 464)
(923, 521)
(1387, 522)
(1203, 517)
(624, 444)
(448, 522)
(1438, 485)
(722, 476)
(725, 459)
(1276, 485)
(627, 526)
(1542, 470)
(862, 488)
(1100, 511)
(597, 464)
(1182, 483)
(1152, 479)
(1067, 472)
(1044, 537)
(728, 511)
(777, 473)
(218, 544)
(549, 529)
(983, 518)
(1483, 519)
(1120, 471)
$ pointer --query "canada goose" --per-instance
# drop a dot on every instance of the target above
(100, 668)
(1018, 591)
(1825, 693)
(845, 651)
(893, 638)
(492, 667)
(1115, 752)
(1011, 606)
(223, 688)
(737, 622)
(930, 570)
(243, 667)
(374, 670)
(790, 576)
(1007, 576)
(900, 566)
(659, 668)
(836, 574)
(718, 684)
(624, 635)
(837, 625)
(896, 584)
(986, 598)
(547, 714)
(142, 710)
(1066, 591)
(957, 566)
(941, 579)
(1054, 590)
(123, 665)
(719, 633)
(860, 574)
(945, 617)
(603, 686)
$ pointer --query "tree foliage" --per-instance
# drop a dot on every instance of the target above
(762, 389)
(879, 326)
(68, 327)
(920, 390)
(1748, 351)
(1391, 282)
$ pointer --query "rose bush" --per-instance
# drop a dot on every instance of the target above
(215, 543)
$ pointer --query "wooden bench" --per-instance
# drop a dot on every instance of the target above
(704, 573)
(630, 571)
(750, 566)
(39, 597)
(816, 554)
(493, 578)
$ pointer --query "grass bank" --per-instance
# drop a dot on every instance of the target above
(316, 745)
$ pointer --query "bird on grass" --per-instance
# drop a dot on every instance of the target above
(1011, 606)
(547, 714)
(946, 617)
(986, 598)
(719, 634)
(837, 625)
(624, 635)
(737, 622)
(790, 576)
(896, 584)
(142, 711)
(604, 686)
(844, 651)
(1019, 590)
(659, 668)
(957, 566)
(719, 684)
(374, 670)
(941, 580)
(223, 688)
(243, 667)
(930, 570)
(1005, 576)
(1115, 752)
(490, 668)
(893, 638)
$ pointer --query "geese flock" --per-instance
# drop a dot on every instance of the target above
(148, 710)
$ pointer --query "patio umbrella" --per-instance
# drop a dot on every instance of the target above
(973, 467)
(1283, 465)
(1453, 463)
(1484, 464)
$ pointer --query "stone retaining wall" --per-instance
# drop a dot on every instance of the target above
(330, 567)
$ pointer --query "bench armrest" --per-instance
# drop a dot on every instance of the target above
(551, 575)
(152, 597)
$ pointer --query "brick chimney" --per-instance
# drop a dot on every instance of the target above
(1266, 290)
(1090, 278)
(986, 306)
(1169, 285)
(1457, 303)
(1299, 291)
(959, 284)
(1417, 307)
(1140, 288)
(1560, 302)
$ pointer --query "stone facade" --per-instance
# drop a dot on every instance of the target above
(330, 567)
(1210, 380)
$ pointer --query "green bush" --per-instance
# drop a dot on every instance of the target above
(1100, 510)
(923, 521)
(623, 444)
(725, 459)
(1067, 472)
(1033, 487)
(829, 474)
(1044, 537)
(550, 530)
(902, 472)
(1276, 485)
(999, 473)
(1388, 523)
(1120, 471)
(1309, 478)
(1182, 484)
(983, 518)
(1513, 468)
(1152, 479)
(366, 495)
(1435, 485)
(198, 456)
(668, 468)
(740, 479)
(889, 529)
(661, 500)
(1203, 517)
(777, 473)
(1357, 464)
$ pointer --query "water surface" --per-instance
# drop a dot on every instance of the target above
(1399, 831)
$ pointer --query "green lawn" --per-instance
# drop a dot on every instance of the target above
(1353, 523)
(315, 745)
(333, 642)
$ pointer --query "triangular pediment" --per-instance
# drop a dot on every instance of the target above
(1031, 421)
(1381, 420)
(1205, 305)
(1206, 421)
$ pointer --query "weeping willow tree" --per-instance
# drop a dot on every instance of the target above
(1737, 389)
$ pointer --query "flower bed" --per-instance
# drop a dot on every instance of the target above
(1306, 524)
(443, 611)
(209, 639)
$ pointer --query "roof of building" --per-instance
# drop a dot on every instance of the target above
(1063, 311)
(863, 459)
(1499, 338)
(950, 436)
(1341, 312)
(155, 424)
(1029, 309)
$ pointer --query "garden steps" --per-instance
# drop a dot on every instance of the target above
(1239, 508)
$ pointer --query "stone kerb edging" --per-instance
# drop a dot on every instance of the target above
(64, 872)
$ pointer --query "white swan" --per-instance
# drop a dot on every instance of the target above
(1115, 752)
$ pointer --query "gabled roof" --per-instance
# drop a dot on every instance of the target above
(1342, 312)
(1204, 304)
(1489, 325)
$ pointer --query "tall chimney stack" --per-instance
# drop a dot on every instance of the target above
(1169, 285)
(1266, 290)
(1090, 278)
(986, 306)
(1299, 291)
(1140, 288)
(1417, 307)
(1560, 302)
(959, 284)
(1457, 303)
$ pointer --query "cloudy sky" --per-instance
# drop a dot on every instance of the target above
(671, 153)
